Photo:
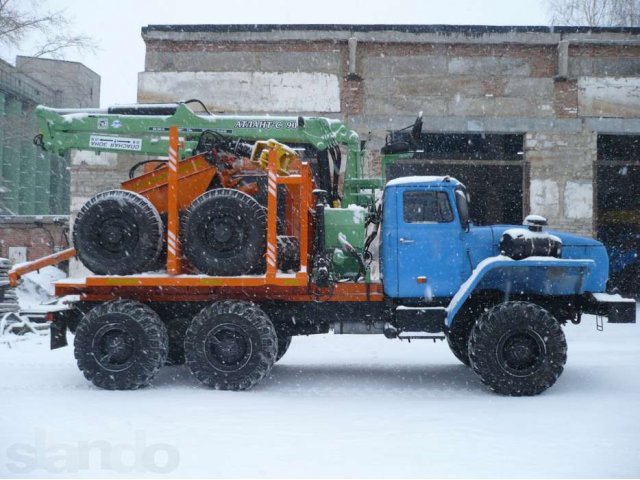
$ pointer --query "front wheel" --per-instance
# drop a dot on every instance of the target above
(517, 348)
(458, 337)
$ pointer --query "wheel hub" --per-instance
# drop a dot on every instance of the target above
(113, 235)
(224, 232)
(117, 235)
(228, 347)
(114, 348)
(520, 353)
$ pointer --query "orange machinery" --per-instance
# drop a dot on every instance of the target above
(171, 189)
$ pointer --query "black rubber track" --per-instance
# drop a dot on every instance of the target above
(108, 361)
(223, 233)
(284, 342)
(518, 348)
(231, 345)
(118, 232)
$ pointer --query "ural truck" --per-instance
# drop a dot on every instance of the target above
(407, 264)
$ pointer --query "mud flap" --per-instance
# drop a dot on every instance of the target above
(58, 331)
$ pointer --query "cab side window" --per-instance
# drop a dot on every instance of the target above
(426, 207)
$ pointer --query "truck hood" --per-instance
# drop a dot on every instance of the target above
(573, 247)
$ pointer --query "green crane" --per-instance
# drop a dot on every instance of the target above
(143, 129)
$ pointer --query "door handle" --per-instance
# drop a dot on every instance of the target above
(406, 240)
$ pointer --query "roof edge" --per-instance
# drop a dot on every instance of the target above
(468, 29)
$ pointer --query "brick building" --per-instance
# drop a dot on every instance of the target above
(532, 119)
(29, 237)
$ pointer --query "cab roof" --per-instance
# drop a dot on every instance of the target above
(421, 180)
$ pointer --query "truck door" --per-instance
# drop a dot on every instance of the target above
(430, 247)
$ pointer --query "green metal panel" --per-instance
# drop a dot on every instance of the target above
(27, 185)
(12, 153)
(59, 182)
(27, 172)
(43, 176)
(349, 222)
(2, 135)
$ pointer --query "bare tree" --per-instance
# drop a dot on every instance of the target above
(49, 32)
(595, 13)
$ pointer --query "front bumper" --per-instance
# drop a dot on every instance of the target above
(617, 309)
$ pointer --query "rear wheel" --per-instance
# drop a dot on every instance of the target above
(518, 348)
(284, 342)
(120, 345)
(231, 345)
(118, 233)
(224, 233)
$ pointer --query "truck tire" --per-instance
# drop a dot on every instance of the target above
(231, 345)
(118, 232)
(284, 342)
(224, 233)
(288, 253)
(120, 345)
(517, 348)
(459, 333)
(458, 337)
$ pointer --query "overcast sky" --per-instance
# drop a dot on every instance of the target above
(115, 24)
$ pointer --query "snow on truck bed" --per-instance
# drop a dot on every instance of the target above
(334, 406)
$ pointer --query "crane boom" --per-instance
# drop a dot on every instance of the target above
(144, 129)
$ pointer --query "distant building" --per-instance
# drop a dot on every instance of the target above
(533, 119)
(32, 181)
(35, 185)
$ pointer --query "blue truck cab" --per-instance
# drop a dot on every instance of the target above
(500, 294)
(432, 254)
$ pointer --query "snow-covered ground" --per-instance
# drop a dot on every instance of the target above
(334, 406)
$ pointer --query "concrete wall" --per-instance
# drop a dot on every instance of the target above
(245, 91)
(73, 85)
(559, 88)
(609, 97)
(561, 178)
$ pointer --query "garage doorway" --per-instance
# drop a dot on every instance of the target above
(490, 165)
(618, 207)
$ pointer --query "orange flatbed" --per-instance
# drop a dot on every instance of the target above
(183, 288)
